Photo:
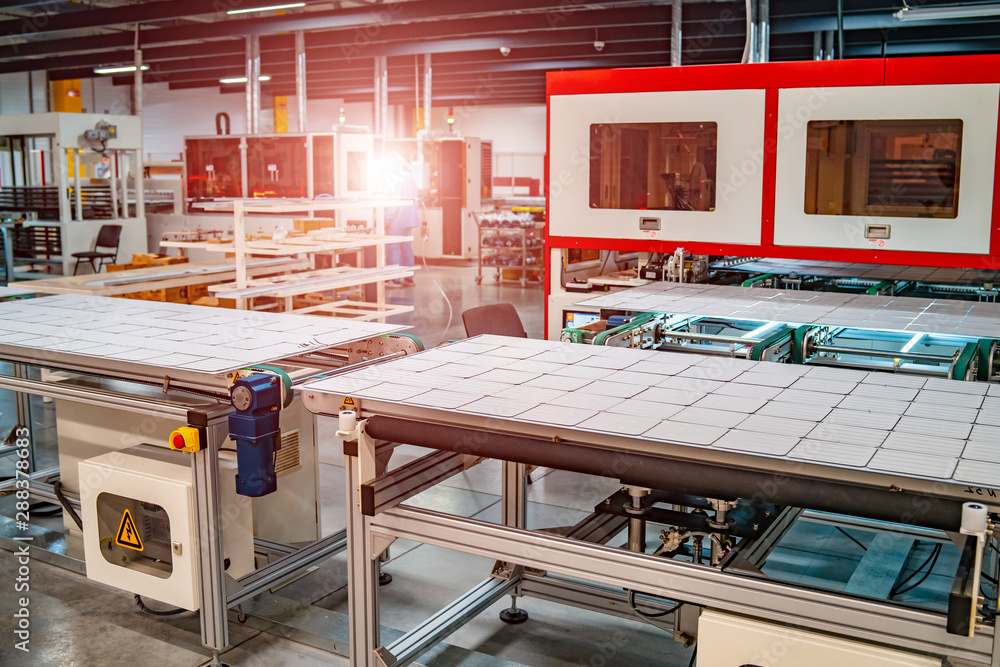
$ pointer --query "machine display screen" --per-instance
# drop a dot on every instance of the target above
(577, 319)
(899, 168)
(653, 166)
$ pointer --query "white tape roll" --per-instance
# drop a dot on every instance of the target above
(348, 421)
(974, 517)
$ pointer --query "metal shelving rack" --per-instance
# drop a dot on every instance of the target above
(522, 234)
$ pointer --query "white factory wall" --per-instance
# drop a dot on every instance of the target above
(513, 129)
(14, 93)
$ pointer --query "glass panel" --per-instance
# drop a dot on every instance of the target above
(357, 171)
(647, 166)
(900, 168)
(213, 168)
(134, 534)
(276, 166)
(323, 183)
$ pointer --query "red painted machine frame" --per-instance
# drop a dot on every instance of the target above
(771, 77)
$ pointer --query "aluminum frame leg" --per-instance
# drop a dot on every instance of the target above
(214, 600)
(362, 575)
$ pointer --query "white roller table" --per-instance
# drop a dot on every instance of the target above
(890, 447)
(895, 313)
(178, 346)
(153, 339)
(858, 426)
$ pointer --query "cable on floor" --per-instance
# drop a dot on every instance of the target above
(694, 654)
(155, 612)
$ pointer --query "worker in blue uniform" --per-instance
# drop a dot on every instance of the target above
(401, 220)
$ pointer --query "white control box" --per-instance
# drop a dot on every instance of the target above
(139, 523)
(726, 640)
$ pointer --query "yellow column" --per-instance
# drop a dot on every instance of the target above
(280, 114)
(66, 96)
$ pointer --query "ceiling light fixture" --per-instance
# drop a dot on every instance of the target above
(946, 12)
(249, 10)
(118, 70)
(243, 79)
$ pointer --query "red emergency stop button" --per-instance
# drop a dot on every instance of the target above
(185, 439)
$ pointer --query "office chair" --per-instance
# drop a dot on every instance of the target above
(500, 319)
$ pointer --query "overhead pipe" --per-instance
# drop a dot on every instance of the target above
(694, 478)
(300, 77)
(675, 34)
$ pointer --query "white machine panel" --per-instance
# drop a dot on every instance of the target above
(151, 482)
(975, 106)
(725, 640)
(738, 182)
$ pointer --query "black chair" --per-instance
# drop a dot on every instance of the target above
(498, 318)
(107, 237)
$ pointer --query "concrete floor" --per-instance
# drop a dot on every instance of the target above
(76, 622)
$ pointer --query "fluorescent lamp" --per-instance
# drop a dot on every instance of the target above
(119, 70)
(946, 12)
(291, 5)
(243, 79)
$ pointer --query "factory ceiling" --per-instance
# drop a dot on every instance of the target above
(195, 43)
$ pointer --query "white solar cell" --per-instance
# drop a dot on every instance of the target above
(876, 421)
(169, 335)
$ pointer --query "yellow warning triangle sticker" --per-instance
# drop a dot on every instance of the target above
(348, 400)
(128, 536)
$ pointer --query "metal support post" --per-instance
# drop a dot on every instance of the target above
(636, 526)
(300, 78)
(675, 34)
(21, 402)
(513, 494)
(213, 602)
(77, 195)
(253, 83)
(764, 31)
(362, 565)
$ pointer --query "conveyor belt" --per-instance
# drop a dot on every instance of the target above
(68, 329)
(923, 274)
(909, 314)
(876, 429)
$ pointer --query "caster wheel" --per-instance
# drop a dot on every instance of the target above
(513, 616)
(384, 579)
